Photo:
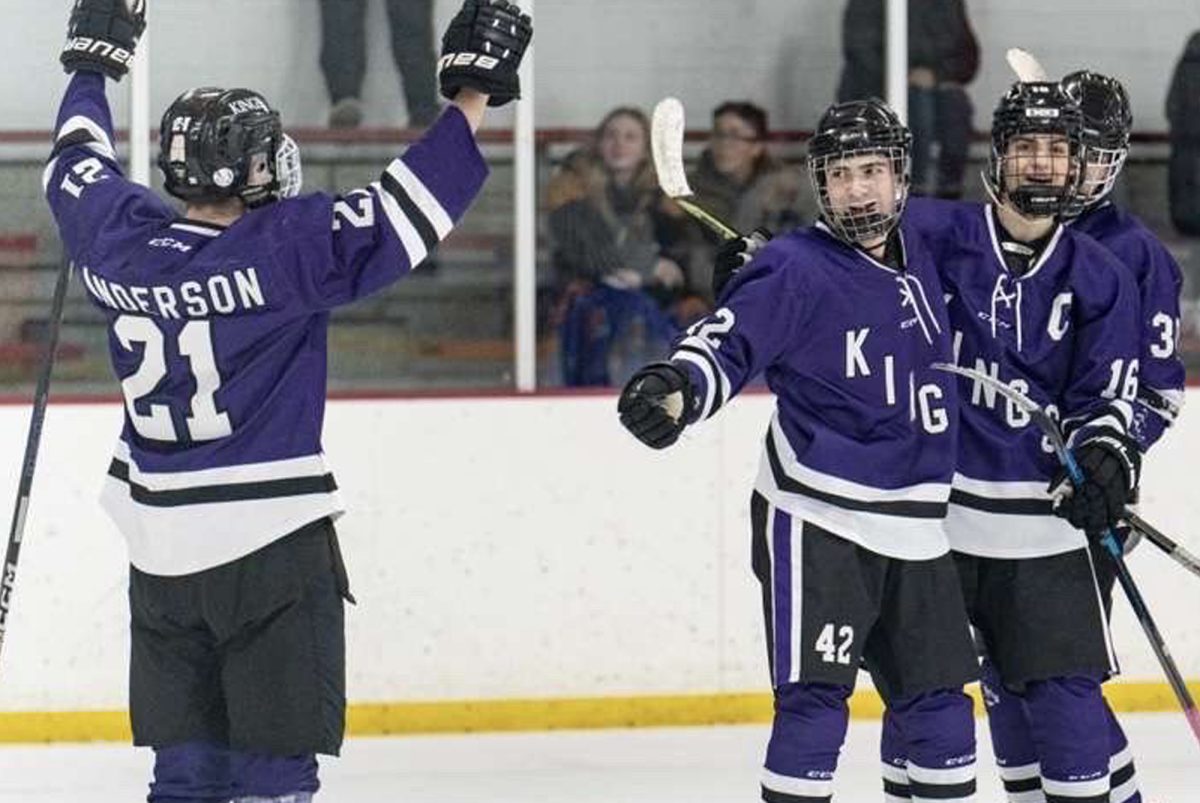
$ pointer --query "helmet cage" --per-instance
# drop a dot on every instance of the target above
(1107, 121)
(1101, 168)
(847, 131)
(1031, 109)
(859, 227)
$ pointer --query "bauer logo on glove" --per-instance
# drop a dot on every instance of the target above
(102, 36)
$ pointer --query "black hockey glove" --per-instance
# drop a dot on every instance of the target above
(733, 255)
(1110, 463)
(482, 50)
(654, 404)
(102, 36)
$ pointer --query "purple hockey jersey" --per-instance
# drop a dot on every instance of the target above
(1161, 379)
(862, 442)
(218, 335)
(1064, 334)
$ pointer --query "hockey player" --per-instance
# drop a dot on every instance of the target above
(1051, 312)
(845, 318)
(217, 327)
(1107, 123)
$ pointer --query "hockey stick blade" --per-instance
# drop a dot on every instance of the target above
(666, 147)
(1027, 68)
(1109, 540)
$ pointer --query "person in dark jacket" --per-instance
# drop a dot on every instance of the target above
(1183, 114)
(943, 56)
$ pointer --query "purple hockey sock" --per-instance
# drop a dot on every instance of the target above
(806, 737)
(192, 772)
(1123, 775)
(938, 731)
(1071, 730)
(264, 776)
(1012, 741)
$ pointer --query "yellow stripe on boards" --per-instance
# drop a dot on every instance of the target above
(480, 716)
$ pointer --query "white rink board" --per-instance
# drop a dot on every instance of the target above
(500, 548)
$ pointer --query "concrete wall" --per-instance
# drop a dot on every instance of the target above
(500, 548)
(594, 55)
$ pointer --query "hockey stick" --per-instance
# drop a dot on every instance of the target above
(1174, 551)
(666, 146)
(40, 397)
(1109, 540)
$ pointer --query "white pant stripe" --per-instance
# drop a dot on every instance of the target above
(894, 774)
(797, 589)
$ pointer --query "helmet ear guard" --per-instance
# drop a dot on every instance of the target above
(1030, 108)
(852, 129)
(210, 139)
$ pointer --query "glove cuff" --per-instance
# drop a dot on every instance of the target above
(1124, 448)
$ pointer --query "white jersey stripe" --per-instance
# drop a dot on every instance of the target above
(101, 144)
(926, 492)
(425, 200)
(194, 229)
(699, 344)
(710, 381)
(308, 466)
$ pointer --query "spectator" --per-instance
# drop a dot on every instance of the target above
(344, 58)
(617, 243)
(943, 56)
(739, 181)
(1183, 114)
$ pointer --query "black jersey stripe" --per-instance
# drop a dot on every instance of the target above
(1013, 507)
(410, 209)
(905, 508)
(901, 790)
(230, 492)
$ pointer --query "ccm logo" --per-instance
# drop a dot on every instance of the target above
(465, 59)
(87, 44)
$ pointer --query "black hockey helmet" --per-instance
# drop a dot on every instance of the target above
(859, 128)
(1036, 107)
(1107, 121)
(209, 139)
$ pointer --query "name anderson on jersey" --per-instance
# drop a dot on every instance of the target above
(219, 294)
